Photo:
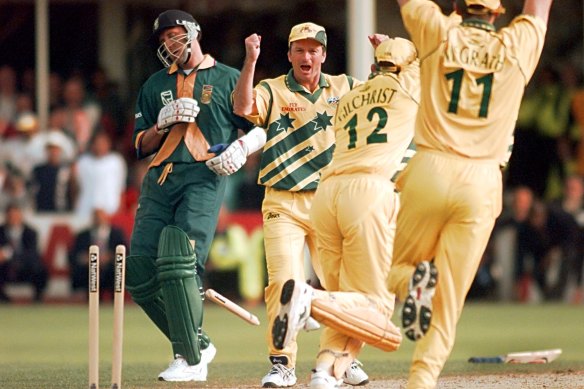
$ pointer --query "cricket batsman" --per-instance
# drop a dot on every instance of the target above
(180, 111)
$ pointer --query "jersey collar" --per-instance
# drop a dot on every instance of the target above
(206, 63)
(478, 23)
(295, 87)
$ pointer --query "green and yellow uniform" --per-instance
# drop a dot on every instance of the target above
(300, 142)
(179, 190)
(472, 81)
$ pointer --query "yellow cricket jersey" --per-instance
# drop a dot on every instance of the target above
(300, 138)
(472, 78)
(374, 124)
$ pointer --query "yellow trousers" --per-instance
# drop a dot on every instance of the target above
(287, 230)
(354, 219)
(448, 209)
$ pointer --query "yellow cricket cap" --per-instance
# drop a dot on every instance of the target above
(307, 31)
(398, 51)
(490, 5)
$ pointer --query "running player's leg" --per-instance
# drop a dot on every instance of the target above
(474, 204)
(418, 228)
(352, 221)
(284, 239)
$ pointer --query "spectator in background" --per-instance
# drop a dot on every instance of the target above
(20, 260)
(27, 84)
(55, 91)
(8, 92)
(542, 240)
(501, 254)
(101, 175)
(68, 143)
(105, 92)
(541, 148)
(53, 184)
(24, 103)
(21, 152)
(106, 236)
(80, 116)
(12, 188)
(27, 150)
(570, 211)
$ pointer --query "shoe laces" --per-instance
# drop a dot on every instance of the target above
(281, 370)
(355, 365)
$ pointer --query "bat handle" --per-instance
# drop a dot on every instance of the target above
(497, 359)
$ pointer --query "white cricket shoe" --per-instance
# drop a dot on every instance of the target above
(354, 375)
(279, 376)
(320, 379)
(180, 371)
(417, 308)
(295, 300)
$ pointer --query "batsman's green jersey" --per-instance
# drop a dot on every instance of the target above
(179, 201)
(191, 195)
(472, 80)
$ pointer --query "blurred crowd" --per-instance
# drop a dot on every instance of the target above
(83, 164)
(536, 251)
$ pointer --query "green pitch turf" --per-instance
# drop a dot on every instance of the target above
(45, 346)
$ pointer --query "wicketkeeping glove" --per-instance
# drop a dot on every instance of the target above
(183, 110)
(231, 158)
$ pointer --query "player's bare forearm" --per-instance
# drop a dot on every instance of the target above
(402, 2)
(243, 101)
(150, 141)
(538, 8)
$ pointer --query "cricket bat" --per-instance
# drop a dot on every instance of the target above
(535, 357)
(232, 307)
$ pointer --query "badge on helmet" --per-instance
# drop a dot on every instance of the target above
(176, 49)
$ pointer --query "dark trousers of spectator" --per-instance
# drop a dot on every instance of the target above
(80, 279)
(23, 270)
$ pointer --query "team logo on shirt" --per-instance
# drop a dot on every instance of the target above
(272, 215)
(293, 107)
(206, 94)
(333, 100)
(166, 97)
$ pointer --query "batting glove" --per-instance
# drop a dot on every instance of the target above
(230, 159)
(183, 110)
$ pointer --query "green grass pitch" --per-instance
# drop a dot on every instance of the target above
(45, 346)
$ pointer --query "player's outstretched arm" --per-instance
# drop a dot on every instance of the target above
(538, 8)
(243, 100)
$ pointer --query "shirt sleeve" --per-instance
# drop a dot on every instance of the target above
(263, 99)
(525, 37)
(426, 24)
